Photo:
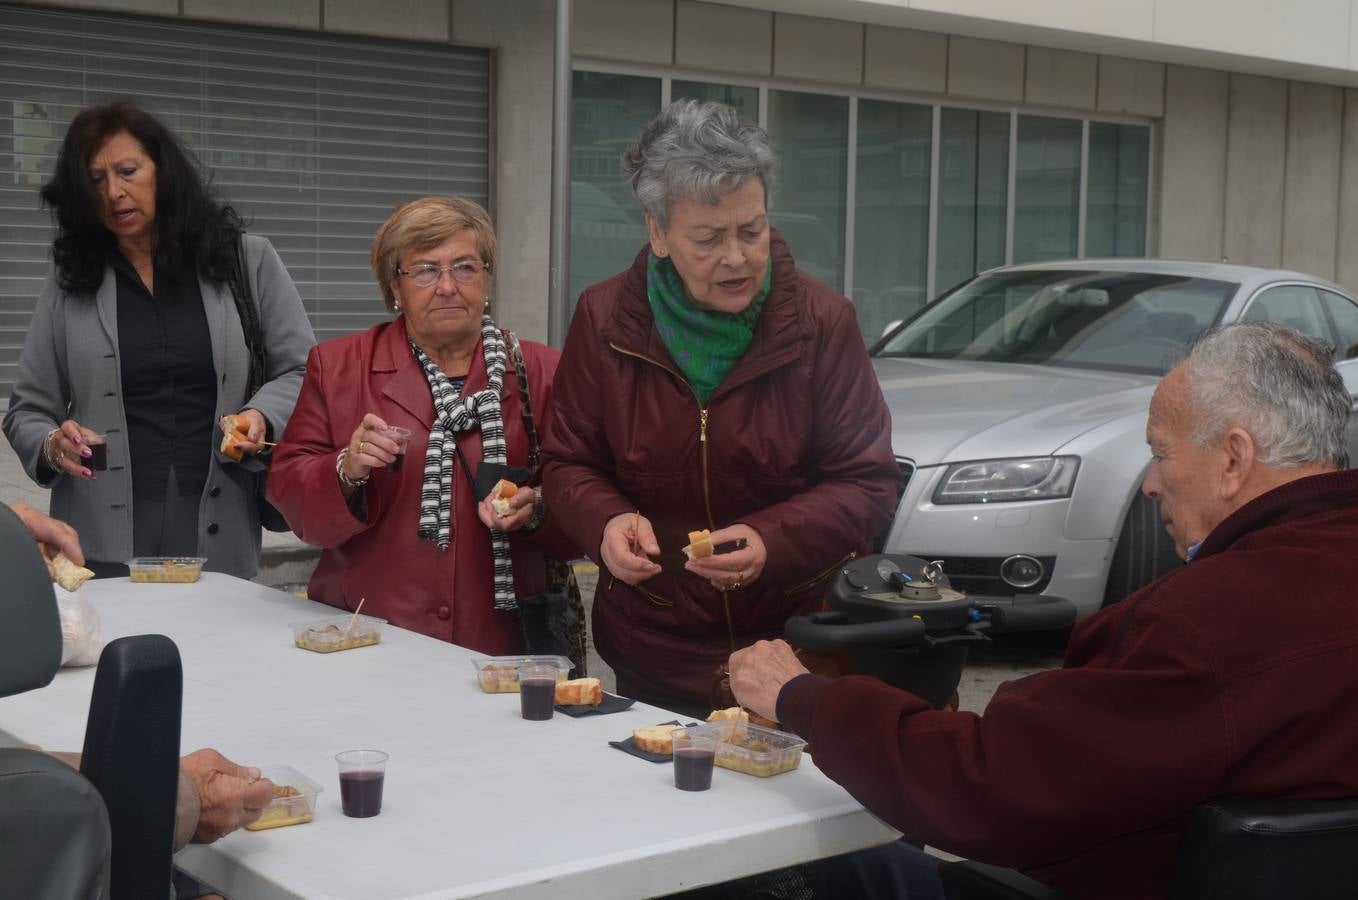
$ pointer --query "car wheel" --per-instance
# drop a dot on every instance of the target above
(1145, 551)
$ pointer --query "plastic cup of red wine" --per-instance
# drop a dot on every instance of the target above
(361, 775)
(537, 691)
(695, 755)
(97, 461)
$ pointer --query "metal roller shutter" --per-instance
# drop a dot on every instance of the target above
(313, 137)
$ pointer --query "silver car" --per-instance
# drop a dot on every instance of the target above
(1019, 405)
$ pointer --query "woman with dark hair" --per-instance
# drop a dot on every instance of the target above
(136, 351)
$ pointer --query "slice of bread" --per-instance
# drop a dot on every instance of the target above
(580, 690)
(500, 496)
(68, 574)
(738, 718)
(699, 544)
(655, 739)
(234, 430)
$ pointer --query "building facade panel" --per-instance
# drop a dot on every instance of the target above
(905, 60)
(414, 20)
(281, 13)
(723, 38)
(1346, 260)
(810, 49)
(1061, 78)
(633, 30)
(1311, 186)
(1255, 170)
(1132, 86)
(988, 70)
(1192, 201)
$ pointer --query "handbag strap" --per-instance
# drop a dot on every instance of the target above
(525, 400)
(249, 319)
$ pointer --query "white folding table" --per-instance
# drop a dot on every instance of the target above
(478, 802)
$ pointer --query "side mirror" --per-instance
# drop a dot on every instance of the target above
(890, 327)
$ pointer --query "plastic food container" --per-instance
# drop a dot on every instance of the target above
(176, 569)
(294, 799)
(500, 674)
(335, 633)
(754, 749)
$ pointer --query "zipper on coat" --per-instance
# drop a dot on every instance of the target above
(703, 414)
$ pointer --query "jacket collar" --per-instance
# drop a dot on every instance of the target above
(407, 387)
(1287, 502)
(778, 334)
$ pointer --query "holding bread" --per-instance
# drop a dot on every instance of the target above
(501, 495)
(580, 691)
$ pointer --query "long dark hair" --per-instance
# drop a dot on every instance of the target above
(191, 222)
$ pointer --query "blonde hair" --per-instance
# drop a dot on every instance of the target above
(422, 225)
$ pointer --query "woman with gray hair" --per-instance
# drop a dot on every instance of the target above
(712, 387)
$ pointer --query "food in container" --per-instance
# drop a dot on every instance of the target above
(754, 749)
(337, 633)
(500, 674)
(168, 569)
(294, 799)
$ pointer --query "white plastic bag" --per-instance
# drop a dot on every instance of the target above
(81, 642)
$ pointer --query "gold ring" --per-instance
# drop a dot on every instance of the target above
(361, 445)
(735, 585)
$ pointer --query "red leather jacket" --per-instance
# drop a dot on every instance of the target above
(795, 442)
(404, 578)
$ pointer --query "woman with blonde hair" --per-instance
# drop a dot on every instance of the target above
(378, 463)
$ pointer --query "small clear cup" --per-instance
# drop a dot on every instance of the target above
(695, 755)
(362, 774)
(537, 690)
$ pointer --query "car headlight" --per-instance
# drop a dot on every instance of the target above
(1007, 480)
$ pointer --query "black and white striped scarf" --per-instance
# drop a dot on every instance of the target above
(451, 415)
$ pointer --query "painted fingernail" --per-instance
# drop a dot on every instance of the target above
(86, 452)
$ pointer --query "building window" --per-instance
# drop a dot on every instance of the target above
(1047, 189)
(607, 226)
(973, 186)
(870, 199)
(810, 134)
(1119, 174)
(891, 212)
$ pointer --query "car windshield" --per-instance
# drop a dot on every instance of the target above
(1123, 321)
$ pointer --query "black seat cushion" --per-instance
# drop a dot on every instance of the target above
(1246, 848)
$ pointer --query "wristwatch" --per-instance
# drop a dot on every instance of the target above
(539, 511)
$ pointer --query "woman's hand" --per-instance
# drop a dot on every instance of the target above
(258, 429)
(737, 569)
(626, 538)
(67, 446)
(370, 448)
(522, 503)
(51, 532)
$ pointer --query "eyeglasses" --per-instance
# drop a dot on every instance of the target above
(464, 271)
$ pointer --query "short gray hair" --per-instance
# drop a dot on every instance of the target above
(699, 150)
(1278, 384)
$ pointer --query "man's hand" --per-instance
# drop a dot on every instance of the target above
(737, 569)
(50, 531)
(229, 796)
(758, 674)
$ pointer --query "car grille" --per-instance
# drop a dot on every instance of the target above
(981, 574)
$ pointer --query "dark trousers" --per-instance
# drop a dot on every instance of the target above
(895, 871)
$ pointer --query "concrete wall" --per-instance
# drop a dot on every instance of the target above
(1255, 169)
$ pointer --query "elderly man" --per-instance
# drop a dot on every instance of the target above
(1237, 674)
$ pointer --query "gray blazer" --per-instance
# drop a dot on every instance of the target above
(70, 370)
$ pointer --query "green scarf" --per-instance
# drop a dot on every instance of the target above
(706, 345)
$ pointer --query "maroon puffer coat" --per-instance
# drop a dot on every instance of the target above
(795, 443)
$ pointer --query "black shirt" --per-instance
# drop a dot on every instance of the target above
(169, 381)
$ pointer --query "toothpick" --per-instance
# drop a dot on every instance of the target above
(636, 532)
(354, 617)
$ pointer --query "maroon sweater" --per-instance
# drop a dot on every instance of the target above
(1235, 675)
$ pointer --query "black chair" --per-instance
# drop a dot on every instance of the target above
(54, 832)
(1246, 848)
(132, 756)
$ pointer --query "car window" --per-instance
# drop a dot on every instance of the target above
(1125, 321)
(1345, 314)
(1294, 305)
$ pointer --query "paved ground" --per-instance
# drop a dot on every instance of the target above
(288, 562)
